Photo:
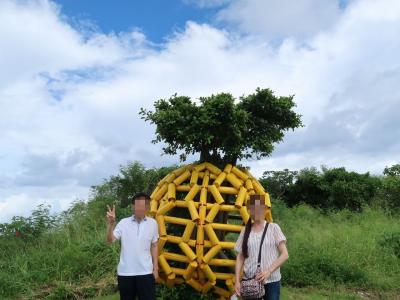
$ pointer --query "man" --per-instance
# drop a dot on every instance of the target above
(138, 264)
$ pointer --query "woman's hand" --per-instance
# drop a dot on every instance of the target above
(237, 287)
(261, 276)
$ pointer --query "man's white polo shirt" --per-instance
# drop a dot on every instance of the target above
(136, 238)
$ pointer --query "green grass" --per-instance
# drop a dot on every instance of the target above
(339, 248)
(288, 293)
(332, 255)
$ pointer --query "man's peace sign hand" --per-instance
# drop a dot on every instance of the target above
(111, 214)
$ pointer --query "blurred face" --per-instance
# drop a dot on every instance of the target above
(257, 210)
(139, 208)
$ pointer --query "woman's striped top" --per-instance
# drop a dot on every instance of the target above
(269, 251)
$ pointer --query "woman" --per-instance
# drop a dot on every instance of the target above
(273, 252)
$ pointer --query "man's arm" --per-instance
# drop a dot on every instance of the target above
(110, 235)
(154, 257)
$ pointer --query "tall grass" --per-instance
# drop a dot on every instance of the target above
(327, 250)
(339, 248)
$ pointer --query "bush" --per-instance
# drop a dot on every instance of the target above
(389, 193)
(328, 189)
(391, 241)
(134, 178)
(9, 285)
(316, 269)
(33, 226)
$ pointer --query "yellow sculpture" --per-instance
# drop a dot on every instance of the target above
(206, 189)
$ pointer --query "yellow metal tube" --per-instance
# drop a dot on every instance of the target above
(228, 168)
(211, 234)
(209, 273)
(195, 284)
(160, 192)
(207, 286)
(228, 190)
(222, 262)
(193, 211)
(239, 173)
(176, 257)
(220, 178)
(171, 192)
(183, 188)
(244, 213)
(189, 270)
(234, 180)
(180, 170)
(179, 180)
(213, 169)
(212, 213)
(257, 187)
(178, 271)
(240, 197)
(206, 179)
(162, 210)
(199, 167)
(161, 243)
(176, 220)
(153, 206)
(194, 178)
(187, 250)
(164, 265)
(216, 194)
(226, 227)
(161, 226)
(249, 185)
(193, 192)
(188, 231)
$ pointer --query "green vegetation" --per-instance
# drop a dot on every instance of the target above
(223, 129)
(336, 188)
(335, 252)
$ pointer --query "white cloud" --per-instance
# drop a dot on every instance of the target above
(23, 201)
(70, 101)
(277, 19)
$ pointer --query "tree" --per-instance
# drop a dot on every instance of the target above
(277, 183)
(135, 178)
(220, 128)
(392, 171)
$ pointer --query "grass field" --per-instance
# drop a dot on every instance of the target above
(333, 255)
(306, 294)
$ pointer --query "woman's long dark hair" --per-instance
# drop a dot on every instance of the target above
(247, 229)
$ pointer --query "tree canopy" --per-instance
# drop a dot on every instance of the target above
(221, 128)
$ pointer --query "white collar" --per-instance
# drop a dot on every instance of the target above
(134, 219)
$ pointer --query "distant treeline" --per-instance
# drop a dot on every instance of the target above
(335, 188)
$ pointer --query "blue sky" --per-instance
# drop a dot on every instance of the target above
(74, 74)
(157, 19)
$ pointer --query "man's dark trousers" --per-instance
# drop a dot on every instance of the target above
(143, 286)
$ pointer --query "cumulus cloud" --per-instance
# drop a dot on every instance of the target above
(70, 100)
(277, 19)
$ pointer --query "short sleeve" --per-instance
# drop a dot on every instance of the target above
(118, 231)
(278, 235)
(155, 233)
(239, 242)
